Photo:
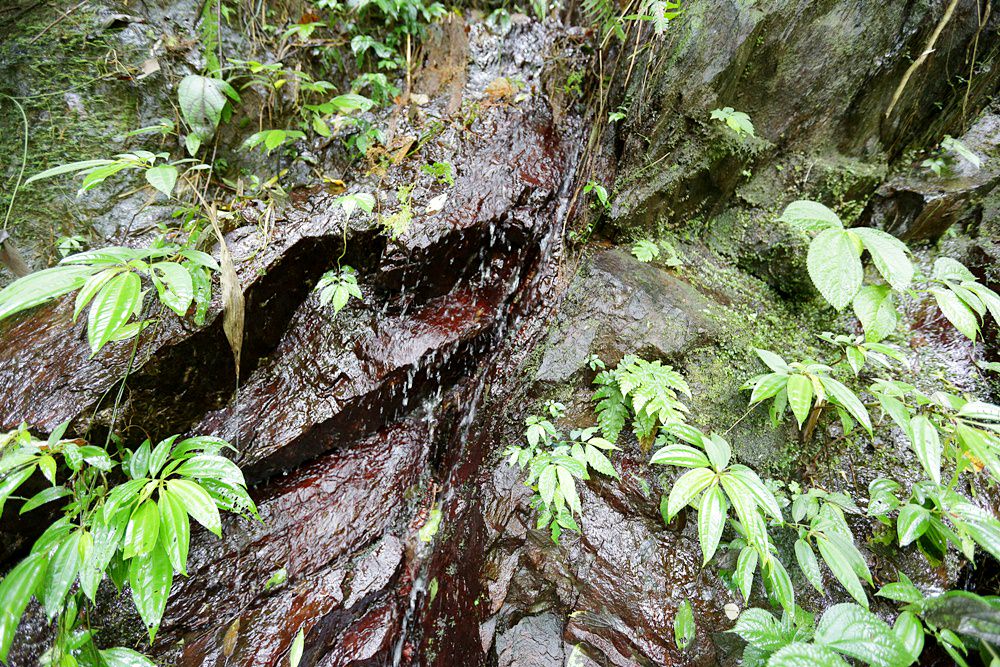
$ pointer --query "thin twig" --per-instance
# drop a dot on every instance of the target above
(928, 50)
(24, 161)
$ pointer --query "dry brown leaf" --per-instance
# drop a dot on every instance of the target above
(233, 303)
(230, 638)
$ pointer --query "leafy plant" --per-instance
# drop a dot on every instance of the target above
(337, 287)
(600, 192)
(110, 280)
(684, 627)
(645, 390)
(205, 102)
(398, 222)
(554, 463)
(272, 139)
(442, 171)
(806, 388)
(645, 251)
(134, 532)
(163, 177)
(942, 161)
(737, 121)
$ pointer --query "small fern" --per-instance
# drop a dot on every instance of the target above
(648, 390)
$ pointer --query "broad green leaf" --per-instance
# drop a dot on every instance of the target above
(759, 627)
(201, 101)
(163, 178)
(980, 411)
(197, 502)
(889, 256)
(959, 314)
(711, 521)
(767, 386)
(295, 652)
(718, 450)
(927, 446)
(780, 584)
(91, 287)
(980, 524)
(61, 573)
(809, 565)
(174, 285)
(112, 308)
(981, 445)
(946, 268)
(150, 577)
(875, 308)
(747, 510)
(910, 633)
(746, 566)
(687, 487)
(848, 400)
(45, 496)
(214, 466)
(680, 455)
(16, 589)
(567, 487)
(835, 267)
(108, 535)
(748, 480)
(684, 627)
(125, 657)
(913, 522)
(840, 564)
(901, 591)
(965, 612)
(36, 288)
(547, 482)
(11, 481)
(69, 168)
(142, 530)
(773, 361)
(599, 462)
(800, 654)
(810, 216)
(858, 633)
(158, 457)
(800, 395)
(175, 530)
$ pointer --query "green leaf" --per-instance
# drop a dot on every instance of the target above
(197, 502)
(201, 101)
(163, 178)
(749, 483)
(780, 584)
(910, 633)
(767, 386)
(41, 286)
(980, 411)
(718, 450)
(174, 286)
(875, 307)
(889, 255)
(175, 530)
(835, 267)
(800, 654)
(858, 633)
(687, 487)
(71, 167)
(800, 395)
(599, 462)
(848, 400)
(839, 563)
(711, 521)
(959, 314)
(567, 487)
(214, 466)
(927, 446)
(112, 308)
(901, 591)
(684, 627)
(980, 524)
(125, 657)
(809, 565)
(91, 287)
(810, 216)
(773, 361)
(10, 482)
(946, 268)
(645, 251)
(295, 652)
(746, 566)
(16, 590)
(61, 573)
(760, 628)
(142, 530)
(108, 535)
(150, 577)
(913, 522)
(158, 457)
(547, 482)
(45, 496)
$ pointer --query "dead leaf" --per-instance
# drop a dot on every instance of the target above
(230, 638)
(233, 303)
(435, 205)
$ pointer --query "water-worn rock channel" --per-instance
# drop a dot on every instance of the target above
(354, 429)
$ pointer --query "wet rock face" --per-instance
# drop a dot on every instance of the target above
(917, 205)
(814, 78)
